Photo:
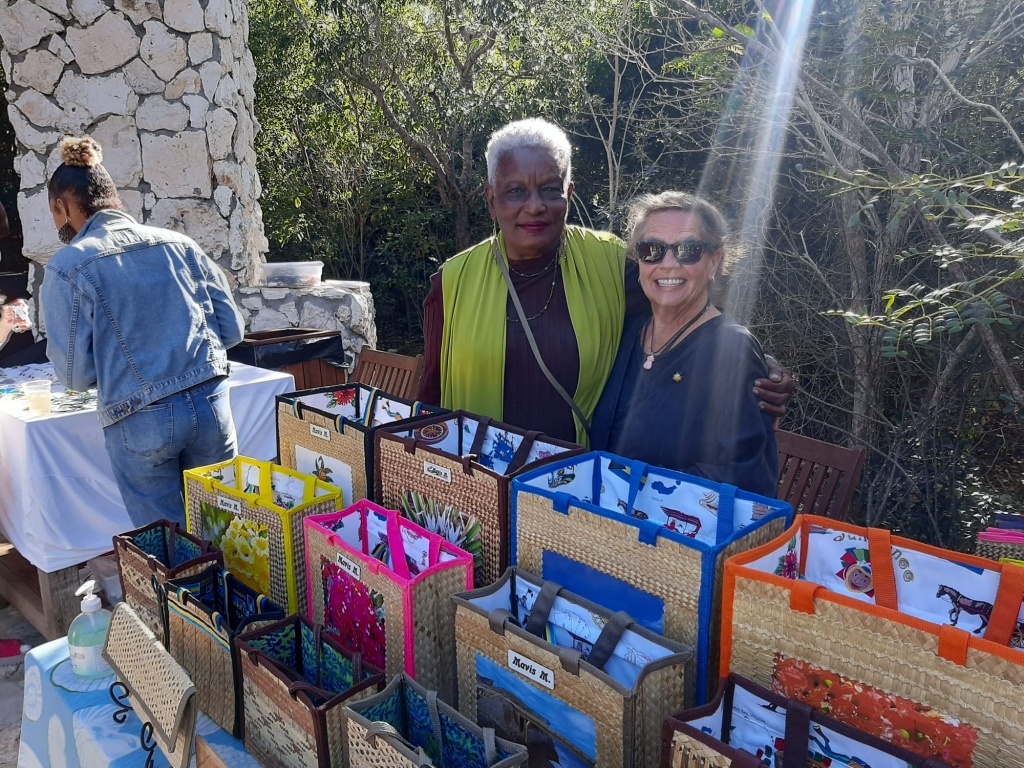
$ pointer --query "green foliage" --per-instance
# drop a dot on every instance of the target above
(983, 211)
(895, 240)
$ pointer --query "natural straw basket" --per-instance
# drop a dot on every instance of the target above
(997, 550)
(234, 504)
(295, 682)
(401, 727)
(626, 719)
(788, 733)
(204, 613)
(614, 553)
(328, 432)
(418, 608)
(773, 623)
(459, 467)
(148, 556)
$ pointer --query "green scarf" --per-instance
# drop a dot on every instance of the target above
(473, 340)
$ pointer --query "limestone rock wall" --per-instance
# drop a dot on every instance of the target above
(167, 88)
(333, 305)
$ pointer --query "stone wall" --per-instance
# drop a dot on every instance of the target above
(333, 305)
(166, 87)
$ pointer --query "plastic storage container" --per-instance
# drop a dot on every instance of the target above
(293, 274)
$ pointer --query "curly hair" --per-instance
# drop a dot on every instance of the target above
(82, 177)
(532, 132)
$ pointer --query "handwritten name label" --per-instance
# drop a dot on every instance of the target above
(231, 505)
(531, 670)
(322, 432)
(438, 473)
(349, 567)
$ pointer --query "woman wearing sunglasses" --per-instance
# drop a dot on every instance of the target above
(681, 392)
(538, 294)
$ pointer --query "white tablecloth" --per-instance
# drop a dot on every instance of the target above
(59, 504)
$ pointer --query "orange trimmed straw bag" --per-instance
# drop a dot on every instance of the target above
(920, 646)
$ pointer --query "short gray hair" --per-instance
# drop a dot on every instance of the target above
(532, 132)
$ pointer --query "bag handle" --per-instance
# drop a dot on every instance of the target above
(637, 477)
(883, 574)
(396, 545)
(609, 639)
(797, 734)
(387, 732)
(524, 321)
(1006, 609)
(301, 686)
(484, 423)
(161, 604)
(537, 623)
(435, 722)
(726, 513)
(490, 748)
(371, 404)
(523, 452)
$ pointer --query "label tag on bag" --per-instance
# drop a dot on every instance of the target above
(531, 670)
(322, 432)
(229, 505)
(438, 473)
(352, 569)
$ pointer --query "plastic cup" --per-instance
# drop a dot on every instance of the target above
(38, 395)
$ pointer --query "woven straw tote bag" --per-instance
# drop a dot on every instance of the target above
(406, 726)
(328, 432)
(451, 475)
(204, 613)
(383, 585)
(578, 680)
(921, 646)
(148, 556)
(747, 726)
(253, 511)
(642, 539)
(295, 683)
(159, 690)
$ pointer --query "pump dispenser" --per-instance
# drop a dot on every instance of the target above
(88, 633)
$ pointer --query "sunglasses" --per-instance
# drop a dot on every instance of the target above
(685, 251)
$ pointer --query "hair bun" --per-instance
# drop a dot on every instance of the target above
(80, 152)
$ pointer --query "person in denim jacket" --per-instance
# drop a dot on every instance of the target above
(143, 315)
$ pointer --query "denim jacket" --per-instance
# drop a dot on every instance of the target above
(138, 312)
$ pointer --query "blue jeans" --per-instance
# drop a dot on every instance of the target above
(150, 449)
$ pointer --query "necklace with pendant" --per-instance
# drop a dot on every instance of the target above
(654, 354)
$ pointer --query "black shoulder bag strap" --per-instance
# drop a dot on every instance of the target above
(533, 342)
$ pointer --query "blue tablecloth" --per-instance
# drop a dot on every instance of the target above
(67, 721)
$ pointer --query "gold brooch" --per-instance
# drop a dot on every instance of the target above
(677, 377)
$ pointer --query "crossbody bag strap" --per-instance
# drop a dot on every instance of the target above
(533, 342)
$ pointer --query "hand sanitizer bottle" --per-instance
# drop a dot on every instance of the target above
(88, 633)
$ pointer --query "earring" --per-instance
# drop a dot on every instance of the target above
(66, 233)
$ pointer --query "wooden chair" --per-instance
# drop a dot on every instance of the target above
(398, 375)
(818, 478)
